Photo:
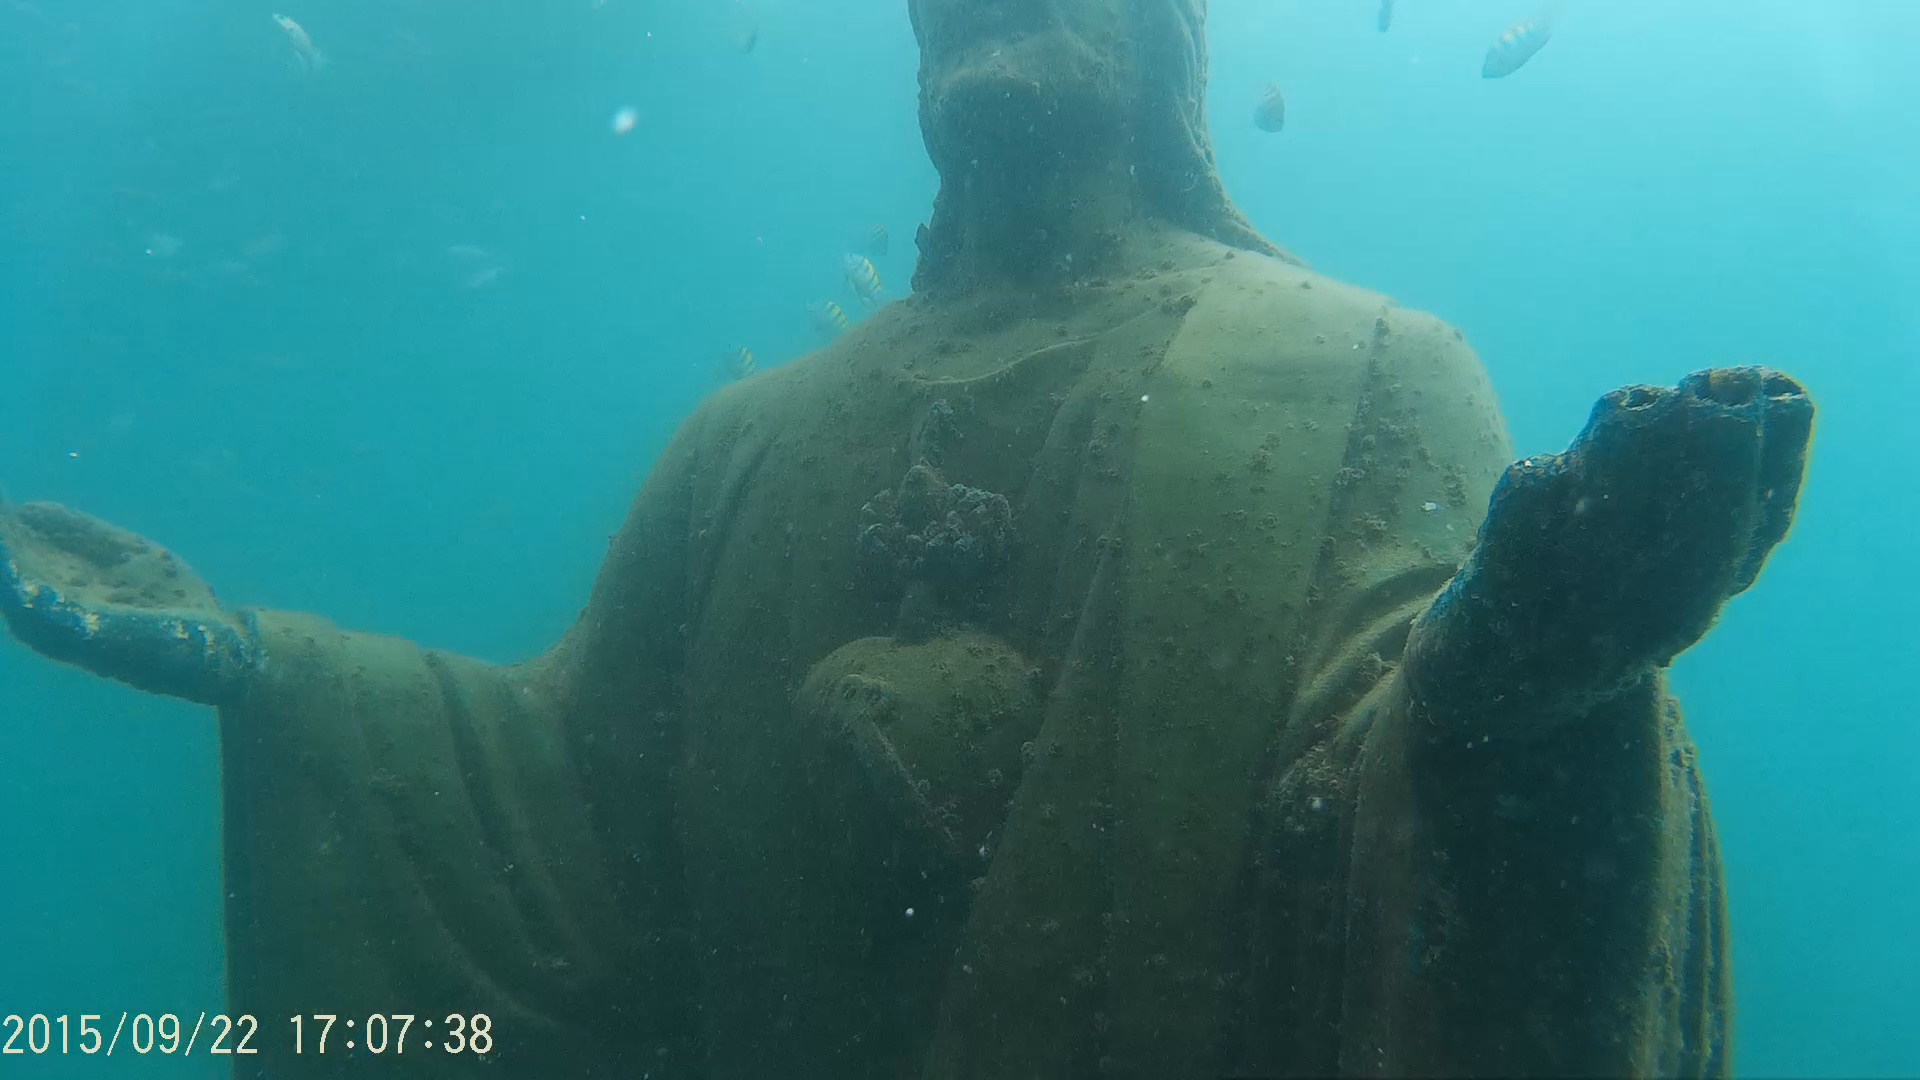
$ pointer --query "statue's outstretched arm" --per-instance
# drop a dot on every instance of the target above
(84, 592)
(407, 826)
(1496, 839)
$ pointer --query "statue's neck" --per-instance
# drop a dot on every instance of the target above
(1031, 219)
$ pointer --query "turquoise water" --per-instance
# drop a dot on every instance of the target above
(394, 341)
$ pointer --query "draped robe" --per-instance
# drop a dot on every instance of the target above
(1144, 794)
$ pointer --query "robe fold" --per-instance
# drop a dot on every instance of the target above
(828, 782)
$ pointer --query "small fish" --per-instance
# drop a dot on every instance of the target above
(1386, 15)
(828, 317)
(162, 245)
(863, 279)
(878, 241)
(1516, 47)
(744, 28)
(263, 245)
(310, 57)
(1271, 113)
(737, 364)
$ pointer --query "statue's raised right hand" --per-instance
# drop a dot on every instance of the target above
(81, 591)
(1600, 564)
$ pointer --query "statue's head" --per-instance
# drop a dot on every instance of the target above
(1017, 85)
(1021, 74)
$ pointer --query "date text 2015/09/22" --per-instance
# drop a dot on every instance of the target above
(218, 1034)
(138, 1034)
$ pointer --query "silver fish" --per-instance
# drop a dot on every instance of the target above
(310, 57)
(1515, 47)
(1270, 112)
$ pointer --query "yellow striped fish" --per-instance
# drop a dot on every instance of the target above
(828, 317)
(737, 364)
(1516, 47)
(863, 279)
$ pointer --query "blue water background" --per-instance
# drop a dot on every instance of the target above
(395, 341)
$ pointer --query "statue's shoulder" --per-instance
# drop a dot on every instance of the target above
(1256, 309)
(792, 393)
(1268, 334)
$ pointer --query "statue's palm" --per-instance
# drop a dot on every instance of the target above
(82, 591)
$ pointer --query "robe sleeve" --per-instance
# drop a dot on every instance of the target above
(411, 832)
(1539, 898)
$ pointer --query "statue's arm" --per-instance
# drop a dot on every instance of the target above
(82, 591)
(407, 829)
(1520, 861)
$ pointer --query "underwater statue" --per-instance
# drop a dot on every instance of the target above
(1132, 655)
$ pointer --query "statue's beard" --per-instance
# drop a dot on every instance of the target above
(1028, 132)
(1037, 102)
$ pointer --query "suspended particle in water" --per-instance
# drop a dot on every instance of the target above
(623, 120)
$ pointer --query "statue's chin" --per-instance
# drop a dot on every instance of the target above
(1042, 93)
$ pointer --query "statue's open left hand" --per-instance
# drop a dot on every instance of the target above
(81, 591)
(1598, 564)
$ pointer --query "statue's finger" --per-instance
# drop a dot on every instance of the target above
(1527, 498)
(158, 652)
(205, 662)
(1706, 504)
(1787, 436)
(10, 573)
(43, 618)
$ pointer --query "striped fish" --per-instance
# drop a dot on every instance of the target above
(828, 317)
(1270, 112)
(737, 364)
(863, 279)
(1516, 47)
